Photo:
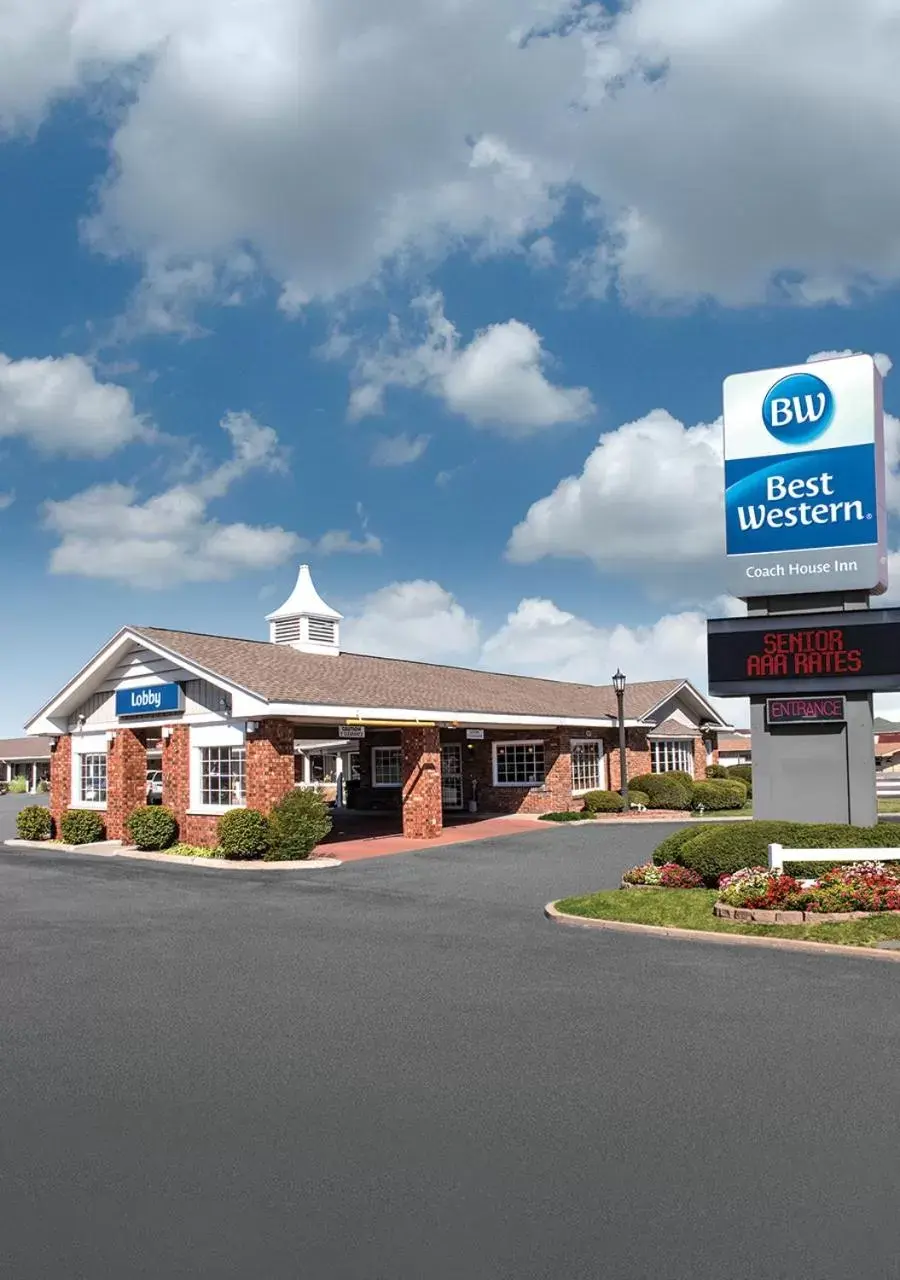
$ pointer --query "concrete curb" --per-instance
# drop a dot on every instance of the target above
(730, 939)
(216, 864)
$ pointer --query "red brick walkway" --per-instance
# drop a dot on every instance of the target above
(381, 837)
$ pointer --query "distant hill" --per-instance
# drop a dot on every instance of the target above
(886, 726)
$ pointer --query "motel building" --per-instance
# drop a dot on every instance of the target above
(221, 722)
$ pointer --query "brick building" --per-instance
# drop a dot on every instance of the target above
(229, 722)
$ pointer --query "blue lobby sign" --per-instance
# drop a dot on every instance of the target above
(149, 700)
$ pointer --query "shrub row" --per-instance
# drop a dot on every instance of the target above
(291, 831)
(678, 792)
(717, 850)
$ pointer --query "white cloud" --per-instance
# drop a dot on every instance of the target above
(497, 380)
(398, 451)
(58, 405)
(107, 532)
(649, 500)
(724, 148)
(417, 620)
(6, 500)
(884, 363)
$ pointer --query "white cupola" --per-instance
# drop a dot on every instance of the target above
(305, 621)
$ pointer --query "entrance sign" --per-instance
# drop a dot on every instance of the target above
(351, 730)
(804, 479)
(149, 700)
(475, 735)
(805, 710)
(830, 652)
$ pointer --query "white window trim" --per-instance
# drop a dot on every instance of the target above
(519, 742)
(603, 784)
(88, 744)
(680, 738)
(212, 736)
(387, 786)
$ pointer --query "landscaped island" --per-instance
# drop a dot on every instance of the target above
(717, 880)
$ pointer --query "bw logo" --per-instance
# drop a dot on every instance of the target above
(798, 409)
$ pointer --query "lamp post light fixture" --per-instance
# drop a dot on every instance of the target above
(618, 682)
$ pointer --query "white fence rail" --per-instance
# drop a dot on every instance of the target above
(778, 855)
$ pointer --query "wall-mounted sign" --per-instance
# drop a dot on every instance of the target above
(149, 700)
(804, 710)
(475, 735)
(830, 652)
(351, 730)
(804, 479)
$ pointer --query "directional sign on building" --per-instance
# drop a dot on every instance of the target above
(804, 479)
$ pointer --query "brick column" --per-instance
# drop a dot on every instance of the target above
(700, 759)
(60, 780)
(270, 764)
(637, 757)
(126, 781)
(421, 794)
(176, 773)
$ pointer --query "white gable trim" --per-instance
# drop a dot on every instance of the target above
(53, 717)
(714, 719)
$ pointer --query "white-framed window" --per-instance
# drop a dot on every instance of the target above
(351, 769)
(670, 754)
(588, 767)
(92, 778)
(222, 777)
(518, 764)
(387, 767)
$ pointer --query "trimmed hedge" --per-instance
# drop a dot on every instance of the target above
(567, 815)
(718, 794)
(719, 850)
(297, 824)
(82, 826)
(244, 834)
(152, 827)
(603, 802)
(744, 773)
(34, 823)
(716, 771)
(636, 798)
(665, 790)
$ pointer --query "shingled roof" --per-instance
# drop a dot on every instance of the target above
(36, 748)
(278, 673)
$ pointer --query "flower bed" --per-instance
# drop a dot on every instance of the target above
(668, 876)
(763, 896)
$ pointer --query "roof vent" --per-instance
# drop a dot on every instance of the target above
(305, 621)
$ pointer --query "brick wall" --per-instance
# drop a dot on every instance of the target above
(60, 780)
(176, 778)
(700, 758)
(637, 757)
(270, 764)
(421, 755)
(126, 780)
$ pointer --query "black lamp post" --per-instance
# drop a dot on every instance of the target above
(618, 681)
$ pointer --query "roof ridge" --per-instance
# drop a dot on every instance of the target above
(418, 662)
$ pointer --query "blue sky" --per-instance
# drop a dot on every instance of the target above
(422, 273)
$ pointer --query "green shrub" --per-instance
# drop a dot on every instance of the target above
(34, 823)
(193, 851)
(669, 850)
(744, 772)
(82, 826)
(638, 798)
(716, 771)
(718, 794)
(244, 834)
(17, 786)
(567, 815)
(720, 850)
(603, 802)
(297, 824)
(152, 827)
(664, 790)
(43, 786)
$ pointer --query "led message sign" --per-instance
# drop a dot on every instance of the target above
(804, 710)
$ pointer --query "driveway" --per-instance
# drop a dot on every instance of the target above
(400, 1070)
(9, 807)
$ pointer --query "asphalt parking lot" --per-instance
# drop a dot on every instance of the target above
(400, 1070)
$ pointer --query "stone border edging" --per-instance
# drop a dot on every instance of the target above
(701, 935)
(761, 915)
(216, 864)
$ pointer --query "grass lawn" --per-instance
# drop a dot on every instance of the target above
(717, 815)
(889, 805)
(692, 909)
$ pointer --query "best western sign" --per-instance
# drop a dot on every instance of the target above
(804, 479)
(149, 700)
